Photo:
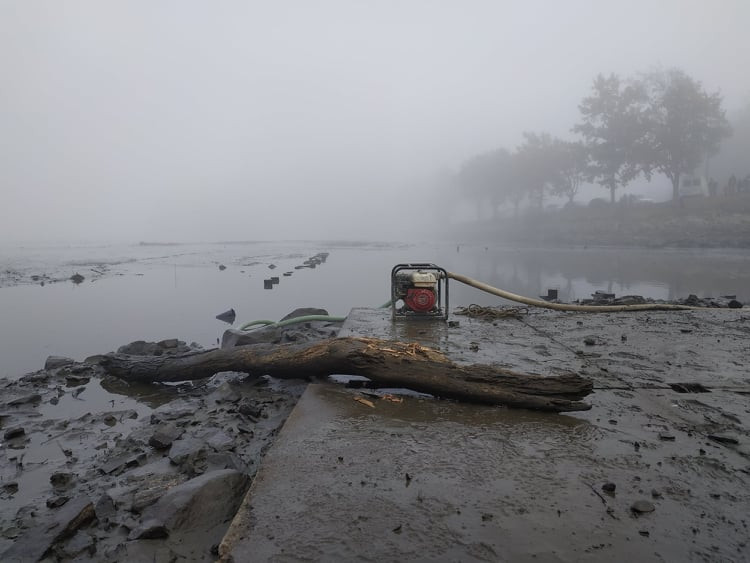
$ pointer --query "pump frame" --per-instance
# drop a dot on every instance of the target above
(441, 292)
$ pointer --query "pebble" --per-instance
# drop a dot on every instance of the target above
(609, 487)
(642, 506)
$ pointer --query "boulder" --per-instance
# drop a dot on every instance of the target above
(200, 502)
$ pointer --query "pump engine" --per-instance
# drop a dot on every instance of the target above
(419, 291)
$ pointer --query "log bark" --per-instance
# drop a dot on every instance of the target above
(387, 363)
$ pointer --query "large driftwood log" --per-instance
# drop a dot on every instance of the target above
(387, 363)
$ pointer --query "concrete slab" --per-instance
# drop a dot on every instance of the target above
(427, 480)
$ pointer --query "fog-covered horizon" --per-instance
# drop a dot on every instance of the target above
(194, 121)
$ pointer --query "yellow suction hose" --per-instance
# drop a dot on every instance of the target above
(566, 307)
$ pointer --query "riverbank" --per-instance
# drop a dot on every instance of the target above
(718, 222)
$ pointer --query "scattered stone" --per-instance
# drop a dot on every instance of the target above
(61, 479)
(642, 507)
(109, 420)
(168, 343)
(11, 487)
(250, 409)
(723, 439)
(666, 437)
(25, 400)
(57, 501)
(655, 493)
(77, 278)
(644, 533)
(188, 452)
(14, 432)
(225, 393)
(609, 487)
(79, 545)
(149, 530)
(589, 341)
(105, 508)
(222, 267)
(221, 441)
(227, 316)
(75, 380)
(36, 540)
(55, 362)
(121, 462)
(164, 435)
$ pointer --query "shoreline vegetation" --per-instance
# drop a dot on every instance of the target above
(699, 222)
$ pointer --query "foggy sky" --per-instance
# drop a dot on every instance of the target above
(202, 121)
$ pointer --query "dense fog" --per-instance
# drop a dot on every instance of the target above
(206, 121)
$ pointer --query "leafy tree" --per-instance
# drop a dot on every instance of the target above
(613, 126)
(571, 163)
(686, 124)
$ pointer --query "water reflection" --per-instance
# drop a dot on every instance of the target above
(139, 298)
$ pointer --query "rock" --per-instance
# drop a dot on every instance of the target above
(25, 399)
(190, 454)
(151, 488)
(221, 441)
(10, 488)
(37, 539)
(589, 341)
(226, 460)
(168, 343)
(173, 411)
(123, 461)
(164, 435)
(250, 408)
(61, 479)
(14, 432)
(149, 530)
(57, 501)
(609, 487)
(79, 545)
(734, 304)
(200, 502)
(222, 267)
(642, 507)
(227, 316)
(666, 437)
(105, 508)
(77, 278)
(723, 439)
(55, 362)
(655, 493)
(225, 393)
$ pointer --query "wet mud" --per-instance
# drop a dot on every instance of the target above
(655, 471)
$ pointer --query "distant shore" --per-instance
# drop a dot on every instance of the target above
(720, 222)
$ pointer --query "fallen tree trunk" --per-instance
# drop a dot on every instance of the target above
(387, 363)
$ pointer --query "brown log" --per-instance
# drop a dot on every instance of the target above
(387, 363)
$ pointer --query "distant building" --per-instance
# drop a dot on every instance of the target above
(691, 184)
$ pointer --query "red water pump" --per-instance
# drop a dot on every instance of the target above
(419, 291)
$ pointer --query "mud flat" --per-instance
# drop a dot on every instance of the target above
(657, 470)
(96, 470)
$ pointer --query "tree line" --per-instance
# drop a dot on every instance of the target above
(662, 122)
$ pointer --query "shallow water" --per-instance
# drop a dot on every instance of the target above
(153, 292)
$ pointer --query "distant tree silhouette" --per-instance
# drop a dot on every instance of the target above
(613, 127)
(685, 125)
